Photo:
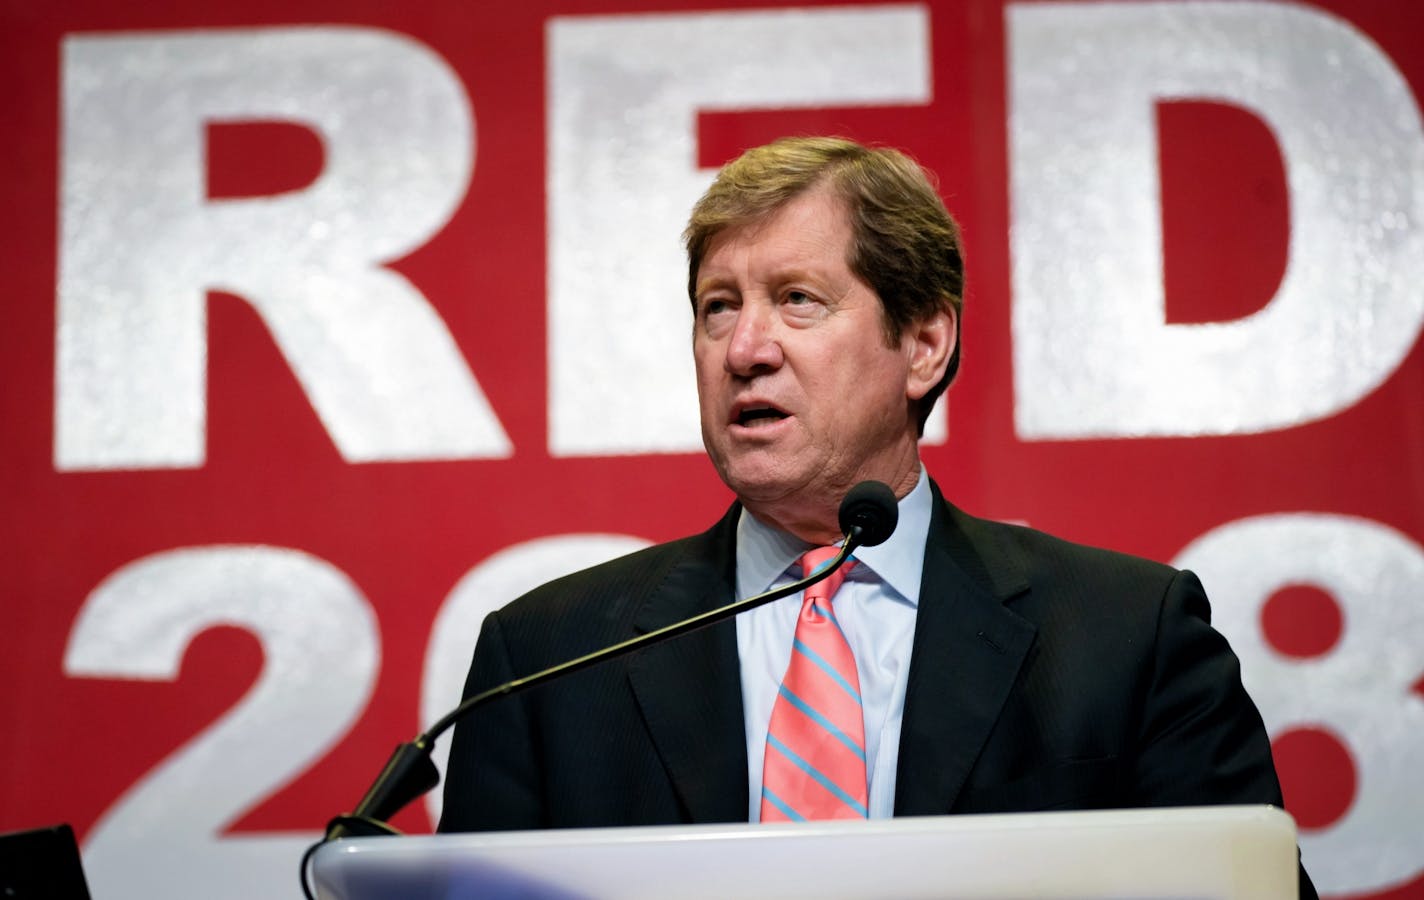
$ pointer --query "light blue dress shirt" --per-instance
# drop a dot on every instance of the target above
(876, 608)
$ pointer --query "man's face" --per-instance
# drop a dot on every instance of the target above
(801, 396)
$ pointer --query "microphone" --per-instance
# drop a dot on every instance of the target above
(870, 512)
(868, 516)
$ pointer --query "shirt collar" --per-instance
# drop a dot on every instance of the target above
(765, 554)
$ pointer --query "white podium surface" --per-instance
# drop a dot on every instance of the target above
(1200, 852)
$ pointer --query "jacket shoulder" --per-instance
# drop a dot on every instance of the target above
(1011, 558)
(601, 603)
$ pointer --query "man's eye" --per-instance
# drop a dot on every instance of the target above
(716, 316)
(797, 298)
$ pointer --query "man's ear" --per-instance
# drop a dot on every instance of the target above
(930, 342)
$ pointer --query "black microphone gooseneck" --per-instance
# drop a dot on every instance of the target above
(868, 516)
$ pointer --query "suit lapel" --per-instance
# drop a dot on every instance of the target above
(689, 689)
(967, 651)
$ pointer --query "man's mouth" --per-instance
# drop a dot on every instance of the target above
(755, 416)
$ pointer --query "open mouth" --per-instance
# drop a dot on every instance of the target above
(754, 416)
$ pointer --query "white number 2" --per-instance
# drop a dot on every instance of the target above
(321, 647)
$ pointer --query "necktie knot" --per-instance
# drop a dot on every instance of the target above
(824, 590)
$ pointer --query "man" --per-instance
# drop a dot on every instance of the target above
(995, 668)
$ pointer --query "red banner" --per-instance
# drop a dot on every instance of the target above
(333, 326)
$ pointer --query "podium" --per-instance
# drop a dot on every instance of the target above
(1206, 853)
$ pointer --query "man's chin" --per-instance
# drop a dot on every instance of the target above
(756, 486)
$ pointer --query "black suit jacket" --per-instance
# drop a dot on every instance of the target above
(1044, 675)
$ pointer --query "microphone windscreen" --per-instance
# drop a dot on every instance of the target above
(871, 506)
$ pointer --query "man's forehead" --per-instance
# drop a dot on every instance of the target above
(811, 230)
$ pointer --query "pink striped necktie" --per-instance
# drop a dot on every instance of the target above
(815, 748)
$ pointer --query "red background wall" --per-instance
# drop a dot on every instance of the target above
(391, 539)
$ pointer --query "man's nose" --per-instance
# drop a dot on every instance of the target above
(754, 346)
